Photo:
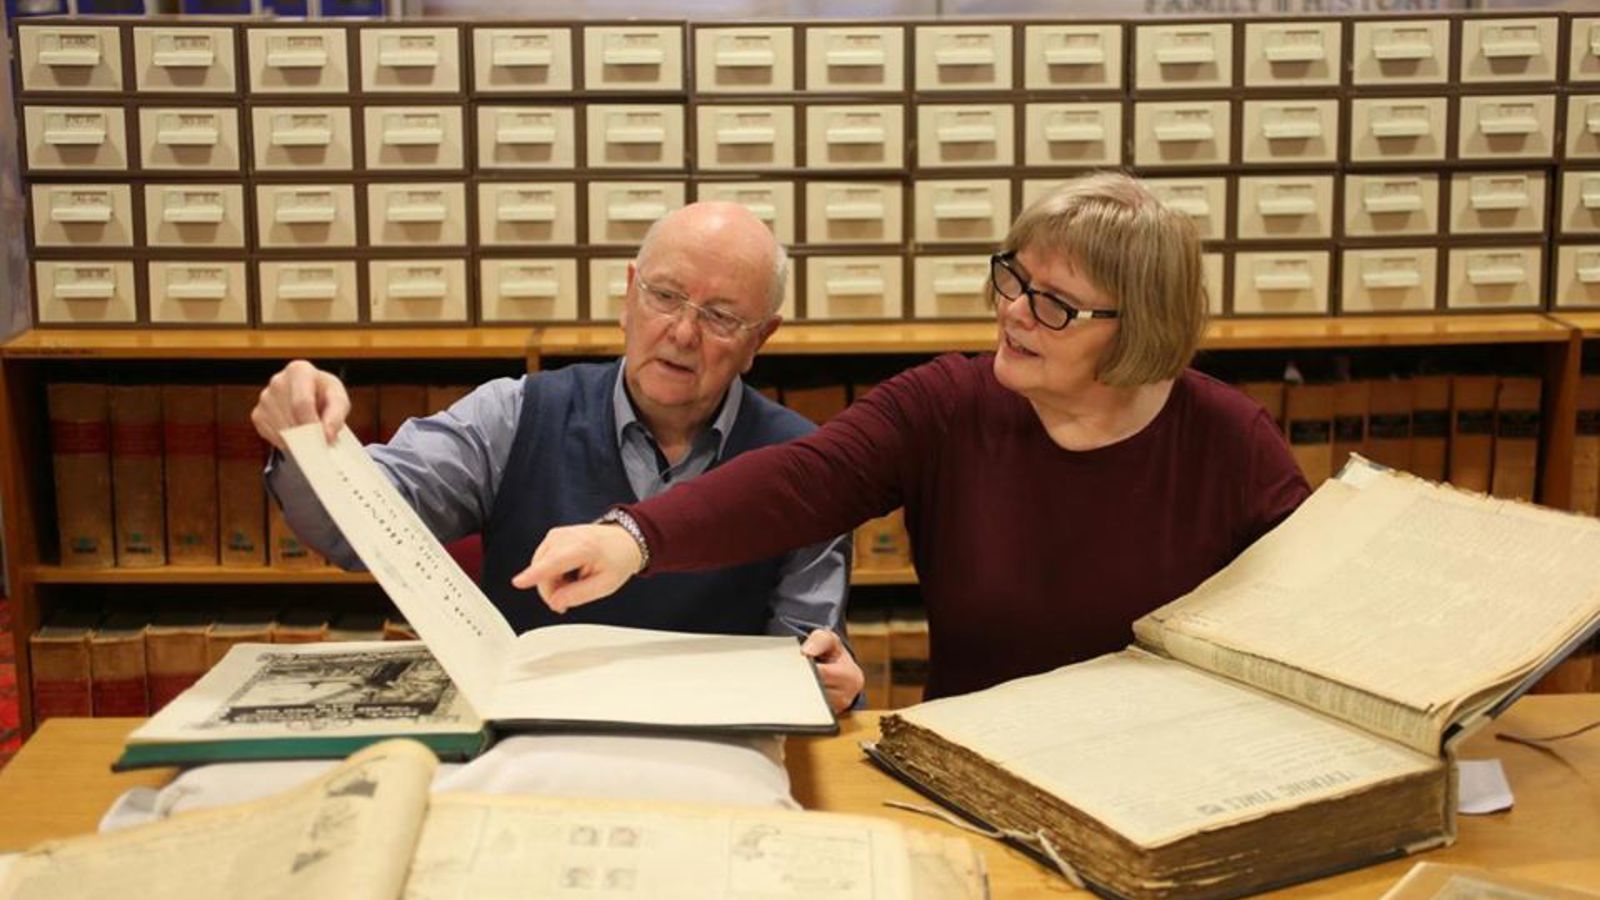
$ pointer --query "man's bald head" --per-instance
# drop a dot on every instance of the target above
(724, 230)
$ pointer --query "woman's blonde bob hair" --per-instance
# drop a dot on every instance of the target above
(1141, 253)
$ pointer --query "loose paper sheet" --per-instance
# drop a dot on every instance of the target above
(1484, 788)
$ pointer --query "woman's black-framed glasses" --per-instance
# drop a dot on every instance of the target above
(1048, 310)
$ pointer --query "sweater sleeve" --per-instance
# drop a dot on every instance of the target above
(1274, 485)
(857, 466)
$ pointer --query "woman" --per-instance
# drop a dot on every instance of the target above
(1055, 491)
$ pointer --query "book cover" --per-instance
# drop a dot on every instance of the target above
(1430, 426)
(138, 488)
(121, 685)
(1472, 400)
(189, 441)
(1516, 438)
(241, 497)
(1389, 423)
(80, 454)
(1350, 401)
(175, 653)
(62, 675)
(1308, 414)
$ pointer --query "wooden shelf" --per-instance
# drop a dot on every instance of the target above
(245, 343)
(873, 578)
(1586, 322)
(1384, 331)
(218, 575)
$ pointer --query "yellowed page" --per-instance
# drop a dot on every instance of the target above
(461, 626)
(603, 673)
(1157, 750)
(487, 847)
(1413, 596)
(348, 834)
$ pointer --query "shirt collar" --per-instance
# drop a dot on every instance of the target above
(721, 425)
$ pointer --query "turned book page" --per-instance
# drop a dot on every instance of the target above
(1394, 605)
(1203, 752)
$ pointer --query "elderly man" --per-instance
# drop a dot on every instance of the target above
(520, 456)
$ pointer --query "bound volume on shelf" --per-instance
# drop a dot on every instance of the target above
(1294, 715)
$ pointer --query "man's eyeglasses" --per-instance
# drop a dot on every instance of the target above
(1048, 310)
(718, 323)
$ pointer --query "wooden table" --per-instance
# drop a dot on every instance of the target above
(60, 783)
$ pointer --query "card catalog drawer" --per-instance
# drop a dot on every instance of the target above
(633, 58)
(194, 215)
(1203, 200)
(1490, 202)
(1391, 205)
(620, 212)
(963, 57)
(773, 202)
(966, 136)
(305, 215)
(307, 292)
(855, 58)
(1291, 54)
(298, 60)
(201, 138)
(1198, 55)
(1583, 126)
(1495, 278)
(426, 213)
(85, 292)
(1500, 50)
(1290, 131)
(1580, 202)
(528, 290)
(414, 137)
(292, 138)
(747, 60)
(521, 59)
(418, 290)
(608, 288)
(1397, 129)
(423, 60)
(1390, 280)
(854, 212)
(1072, 57)
(745, 137)
(853, 287)
(1577, 276)
(527, 137)
(1281, 283)
(198, 293)
(1507, 127)
(1400, 51)
(1285, 207)
(87, 138)
(527, 213)
(82, 215)
(855, 137)
(951, 287)
(1585, 52)
(1073, 134)
(963, 210)
(184, 60)
(70, 58)
(642, 136)
(1181, 134)
(1212, 269)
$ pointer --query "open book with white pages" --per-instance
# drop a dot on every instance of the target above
(1294, 715)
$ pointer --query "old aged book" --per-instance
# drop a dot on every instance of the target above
(1294, 715)
(241, 500)
(1430, 426)
(1350, 401)
(908, 657)
(59, 658)
(238, 625)
(80, 453)
(363, 417)
(1446, 881)
(287, 550)
(1269, 394)
(189, 442)
(883, 544)
(819, 403)
(1308, 414)
(396, 404)
(439, 397)
(1389, 424)
(120, 683)
(136, 476)
(1516, 438)
(1472, 431)
(368, 829)
(560, 677)
(869, 638)
(301, 625)
(1586, 448)
(175, 653)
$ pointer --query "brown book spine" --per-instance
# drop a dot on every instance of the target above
(1472, 431)
(1269, 394)
(175, 658)
(398, 630)
(1389, 424)
(117, 662)
(908, 660)
(287, 550)
(1350, 400)
(363, 417)
(1308, 409)
(241, 499)
(60, 668)
(1586, 448)
(80, 452)
(441, 396)
(189, 436)
(882, 544)
(819, 404)
(221, 638)
(1430, 426)
(136, 476)
(869, 638)
(1516, 438)
(396, 404)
